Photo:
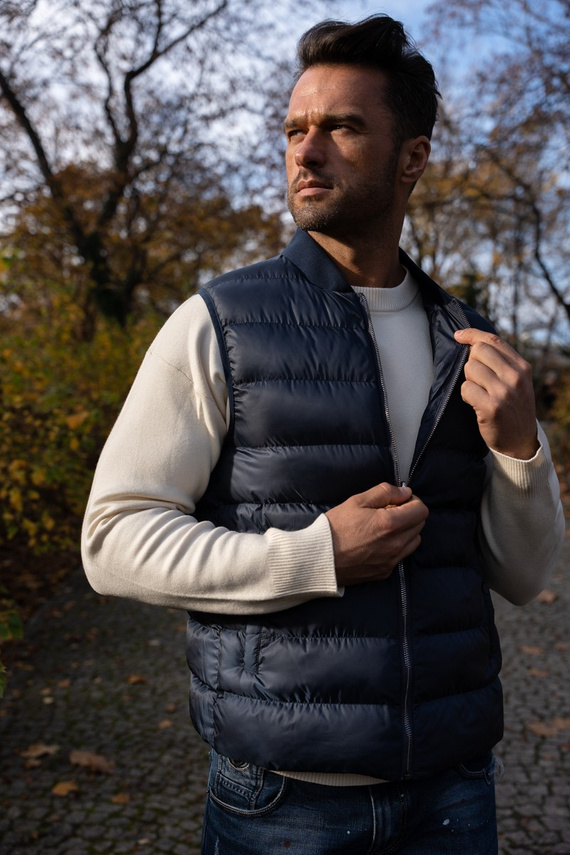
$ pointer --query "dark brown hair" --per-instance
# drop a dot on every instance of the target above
(379, 42)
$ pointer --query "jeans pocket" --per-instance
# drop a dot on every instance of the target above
(242, 788)
(485, 773)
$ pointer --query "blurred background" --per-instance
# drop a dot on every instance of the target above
(141, 154)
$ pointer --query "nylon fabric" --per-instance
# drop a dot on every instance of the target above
(397, 678)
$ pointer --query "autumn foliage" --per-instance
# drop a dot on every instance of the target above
(59, 399)
(120, 197)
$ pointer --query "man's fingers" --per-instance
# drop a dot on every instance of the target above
(382, 495)
(498, 385)
(376, 528)
(410, 516)
(489, 349)
(472, 336)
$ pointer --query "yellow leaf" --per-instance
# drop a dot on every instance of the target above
(47, 521)
(548, 728)
(16, 499)
(542, 728)
(16, 466)
(30, 527)
(64, 788)
(38, 476)
(39, 749)
(75, 420)
(93, 762)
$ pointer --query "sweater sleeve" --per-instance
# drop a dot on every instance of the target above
(139, 537)
(522, 523)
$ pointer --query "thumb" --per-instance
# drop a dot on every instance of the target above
(384, 494)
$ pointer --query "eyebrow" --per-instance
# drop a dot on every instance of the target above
(329, 119)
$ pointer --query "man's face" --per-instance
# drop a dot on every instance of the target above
(341, 157)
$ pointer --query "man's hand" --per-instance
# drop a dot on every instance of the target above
(498, 385)
(373, 531)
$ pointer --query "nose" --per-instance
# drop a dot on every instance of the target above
(311, 150)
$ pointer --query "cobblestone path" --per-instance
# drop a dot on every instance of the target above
(97, 754)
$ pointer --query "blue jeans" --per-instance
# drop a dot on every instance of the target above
(250, 811)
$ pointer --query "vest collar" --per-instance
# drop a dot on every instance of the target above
(314, 263)
(319, 268)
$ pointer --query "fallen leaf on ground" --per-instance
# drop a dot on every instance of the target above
(37, 750)
(166, 722)
(133, 679)
(547, 597)
(121, 799)
(542, 728)
(64, 788)
(533, 651)
(538, 672)
(93, 762)
(548, 728)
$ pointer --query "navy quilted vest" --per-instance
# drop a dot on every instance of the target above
(397, 678)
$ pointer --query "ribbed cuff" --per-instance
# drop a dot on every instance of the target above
(525, 477)
(302, 562)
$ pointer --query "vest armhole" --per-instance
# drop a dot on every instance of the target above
(211, 306)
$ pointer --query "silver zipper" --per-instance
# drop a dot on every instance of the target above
(445, 401)
(406, 720)
(372, 335)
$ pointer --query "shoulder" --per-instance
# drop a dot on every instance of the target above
(261, 271)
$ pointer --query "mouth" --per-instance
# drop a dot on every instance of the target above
(311, 186)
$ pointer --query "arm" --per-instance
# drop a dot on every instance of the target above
(522, 522)
(140, 539)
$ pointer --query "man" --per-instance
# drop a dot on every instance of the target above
(327, 461)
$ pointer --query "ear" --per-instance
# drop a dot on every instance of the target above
(413, 159)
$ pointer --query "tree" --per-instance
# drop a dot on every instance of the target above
(511, 116)
(119, 122)
(134, 164)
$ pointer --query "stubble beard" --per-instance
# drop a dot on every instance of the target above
(351, 210)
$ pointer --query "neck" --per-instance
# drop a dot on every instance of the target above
(364, 266)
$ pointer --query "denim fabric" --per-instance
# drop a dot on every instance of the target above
(250, 811)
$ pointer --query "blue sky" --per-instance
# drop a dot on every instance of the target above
(410, 12)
